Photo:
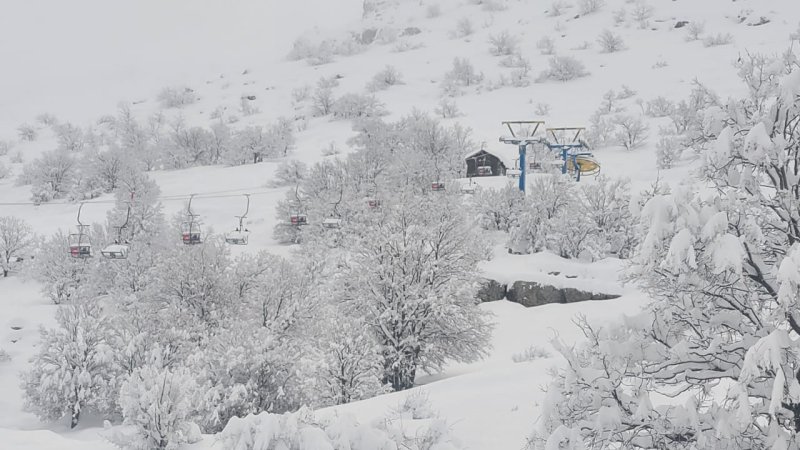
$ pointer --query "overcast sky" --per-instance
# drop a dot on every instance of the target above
(75, 57)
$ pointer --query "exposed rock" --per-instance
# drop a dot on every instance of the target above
(411, 31)
(491, 291)
(368, 36)
(529, 293)
(681, 23)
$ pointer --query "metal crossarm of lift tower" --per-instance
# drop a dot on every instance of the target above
(522, 125)
(565, 133)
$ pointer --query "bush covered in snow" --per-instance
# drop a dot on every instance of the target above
(563, 68)
(176, 97)
(610, 42)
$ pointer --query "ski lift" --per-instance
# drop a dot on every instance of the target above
(190, 228)
(513, 173)
(468, 188)
(373, 203)
(437, 186)
(119, 249)
(298, 219)
(240, 235)
(484, 171)
(79, 244)
(332, 222)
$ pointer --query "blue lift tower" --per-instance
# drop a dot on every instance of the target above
(524, 136)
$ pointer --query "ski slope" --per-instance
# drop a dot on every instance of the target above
(77, 60)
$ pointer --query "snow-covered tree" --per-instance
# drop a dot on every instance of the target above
(51, 175)
(411, 279)
(15, 237)
(159, 403)
(60, 274)
(499, 209)
(74, 369)
(721, 262)
(353, 366)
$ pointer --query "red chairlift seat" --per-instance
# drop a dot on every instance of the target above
(79, 246)
(298, 219)
(190, 233)
(373, 203)
(484, 171)
(437, 186)
(80, 250)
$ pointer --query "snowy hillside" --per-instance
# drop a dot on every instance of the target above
(168, 119)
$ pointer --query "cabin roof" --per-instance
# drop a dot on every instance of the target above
(507, 154)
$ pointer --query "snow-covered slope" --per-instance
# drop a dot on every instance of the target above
(79, 59)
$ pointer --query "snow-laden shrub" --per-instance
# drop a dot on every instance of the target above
(4, 171)
(27, 132)
(557, 8)
(668, 150)
(718, 39)
(176, 97)
(159, 403)
(463, 73)
(590, 6)
(47, 119)
(531, 353)
(385, 79)
(447, 108)
(322, 100)
(619, 16)
(546, 45)
(563, 68)
(70, 137)
(289, 173)
(694, 30)
(353, 106)
(499, 209)
(503, 44)
(5, 147)
(610, 42)
(433, 11)
(464, 28)
(631, 131)
(302, 430)
(641, 13)
(660, 107)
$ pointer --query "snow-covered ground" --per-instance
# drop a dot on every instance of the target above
(78, 59)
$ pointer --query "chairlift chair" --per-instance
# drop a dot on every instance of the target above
(437, 186)
(332, 222)
(240, 235)
(115, 251)
(190, 229)
(373, 203)
(190, 233)
(513, 173)
(118, 249)
(79, 244)
(298, 219)
(484, 171)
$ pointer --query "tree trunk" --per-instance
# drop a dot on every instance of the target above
(76, 415)
(400, 374)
